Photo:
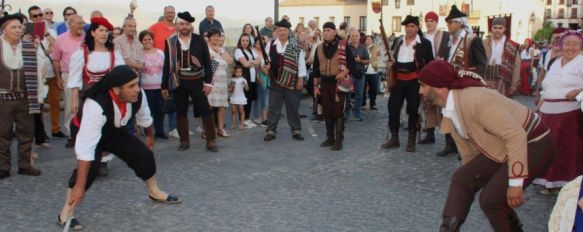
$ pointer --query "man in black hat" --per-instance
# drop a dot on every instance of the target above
(412, 53)
(18, 95)
(465, 52)
(287, 71)
(188, 73)
(109, 105)
(329, 67)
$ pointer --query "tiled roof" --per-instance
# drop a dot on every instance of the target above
(322, 2)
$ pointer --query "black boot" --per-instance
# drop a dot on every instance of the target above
(339, 135)
(393, 142)
(182, 128)
(329, 133)
(429, 137)
(450, 147)
(208, 123)
(411, 141)
(451, 224)
(514, 222)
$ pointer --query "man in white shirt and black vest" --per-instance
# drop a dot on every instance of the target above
(412, 53)
(109, 105)
(188, 74)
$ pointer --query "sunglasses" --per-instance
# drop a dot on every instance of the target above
(37, 15)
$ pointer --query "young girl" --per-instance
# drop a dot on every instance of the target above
(238, 86)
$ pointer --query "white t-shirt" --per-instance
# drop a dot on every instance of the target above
(239, 55)
(98, 62)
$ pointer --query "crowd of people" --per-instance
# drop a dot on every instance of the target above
(119, 83)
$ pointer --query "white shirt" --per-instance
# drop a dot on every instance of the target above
(497, 50)
(449, 112)
(525, 54)
(239, 55)
(406, 52)
(93, 121)
(453, 47)
(98, 62)
(559, 81)
(302, 71)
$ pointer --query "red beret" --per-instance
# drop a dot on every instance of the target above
(432, 15)
(559, 30)
(440, 74)
(103, 22)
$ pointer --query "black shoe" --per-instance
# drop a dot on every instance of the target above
(298, 136)
(103, 170)
(337, 146)
(169, 200)
(29, 171)
(303, 116)
(374, 108)
(269, 137)
(328, 142)
(212, 146)
(451, 224)
(4, 174)
(74, 226)
(392, 143)
(161, 136)
(183, 146)
(60, 135)
(70, 143)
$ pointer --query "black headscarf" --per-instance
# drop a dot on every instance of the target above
(119, 76)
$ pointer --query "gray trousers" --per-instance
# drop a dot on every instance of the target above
(16, 122)
(277, 97)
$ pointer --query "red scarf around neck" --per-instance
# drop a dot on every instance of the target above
(120, 105)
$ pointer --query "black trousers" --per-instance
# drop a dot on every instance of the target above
(405, 90)
(128, 148)
(193, 90)
(251, 95)
(40, 136)
(155, 102)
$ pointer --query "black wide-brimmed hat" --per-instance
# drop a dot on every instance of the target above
(7, 18)
(411, 19)
(283, 23)
(186, 16)
(455, 13)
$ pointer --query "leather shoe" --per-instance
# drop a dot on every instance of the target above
(29, 171)
(269, 137)
(4, 174)
(70, 143)
(298, 136)
(60, 135)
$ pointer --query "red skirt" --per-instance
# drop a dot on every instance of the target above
(525, 74)
(567, 132)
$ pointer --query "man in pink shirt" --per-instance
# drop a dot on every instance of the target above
(65, 45)
(164, 29)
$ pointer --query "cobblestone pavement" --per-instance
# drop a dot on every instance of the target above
(252, 185)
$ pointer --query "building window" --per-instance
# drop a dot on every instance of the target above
(410, 2)
(397, 4)
(332, 19)
(347, 20)
(575, 2)
(385, 2)
(561, 14)
(549, 2)
(573, 13)
(396, 25)
(301, 20)
(548, 13)
(466, 8)
(362, 23)
(561, 2)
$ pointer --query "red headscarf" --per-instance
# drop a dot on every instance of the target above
(440, 74)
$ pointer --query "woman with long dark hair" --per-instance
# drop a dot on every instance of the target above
(249, 30)
(247, 57)
(88, 65)
(262, 82)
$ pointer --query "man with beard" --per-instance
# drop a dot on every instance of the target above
(188, 74)
(503, 146)
(332, 62)
(503, 70)
(466, 52)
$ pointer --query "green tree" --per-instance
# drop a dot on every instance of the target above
(545, 33)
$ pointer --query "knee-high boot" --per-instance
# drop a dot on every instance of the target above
(182, 128)
(451, 224)
(209, 130)
(329, 133)
(339, 134)
(450, 147)
(411, 141)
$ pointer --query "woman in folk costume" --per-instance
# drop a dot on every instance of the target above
(503, 146)
(526, 67)
(560, 111)
(95, 58)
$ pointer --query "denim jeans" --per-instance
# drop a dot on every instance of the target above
(171, 111)
(372, 80)
(155, 103)
(261, 102)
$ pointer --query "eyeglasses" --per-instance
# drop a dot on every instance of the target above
(36, 16)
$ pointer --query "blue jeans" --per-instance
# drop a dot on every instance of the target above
(171, 111)
(155, 103)
(356, 98)
(261, 102)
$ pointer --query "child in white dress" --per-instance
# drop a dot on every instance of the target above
(238, 100)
